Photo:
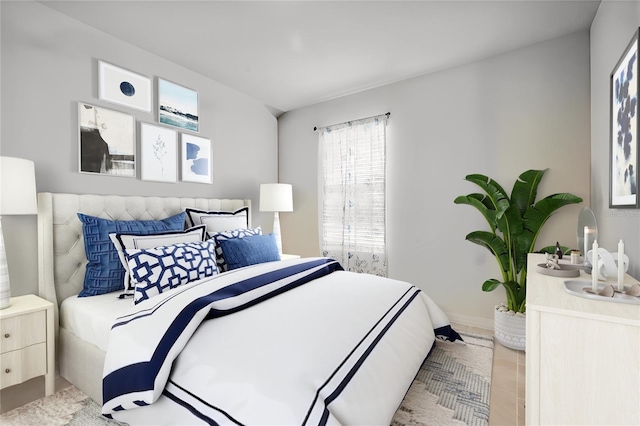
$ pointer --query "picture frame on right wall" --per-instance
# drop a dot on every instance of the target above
(624, 157)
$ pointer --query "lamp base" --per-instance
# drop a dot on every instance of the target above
(5, 287)
(276, 231)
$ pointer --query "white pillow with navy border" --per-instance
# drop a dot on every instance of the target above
(136, 241)
(218, 221)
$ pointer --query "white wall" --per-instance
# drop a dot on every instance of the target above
(49, 64)
(611, 31)
(525, 109)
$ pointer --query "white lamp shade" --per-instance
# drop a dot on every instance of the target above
(17, 186)
(276, 197)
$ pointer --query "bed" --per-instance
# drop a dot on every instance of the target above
(296, 341)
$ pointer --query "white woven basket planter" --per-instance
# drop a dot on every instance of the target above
(510, 329)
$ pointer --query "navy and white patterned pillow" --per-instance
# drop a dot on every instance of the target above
(156, 270)
(228, 235)
(124, 241)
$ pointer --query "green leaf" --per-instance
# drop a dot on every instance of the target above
(536, 216)
(483, 204)
(497, 195)
(490, 284)
(494, 244)
(525, 189)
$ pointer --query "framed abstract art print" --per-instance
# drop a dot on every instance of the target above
(123, 87)
(624, 157)
(107, 141)
(196, 159)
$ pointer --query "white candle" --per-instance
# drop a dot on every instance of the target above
(621, 265)
(587, 233)
(594, 264)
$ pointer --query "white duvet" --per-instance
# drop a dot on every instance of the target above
(342, 348)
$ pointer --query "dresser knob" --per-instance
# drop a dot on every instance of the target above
(8, 370)
(6, 335)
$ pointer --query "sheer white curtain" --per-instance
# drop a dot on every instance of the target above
(352, 195)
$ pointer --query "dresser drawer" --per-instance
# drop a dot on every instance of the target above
(23, 364)
(22, 331)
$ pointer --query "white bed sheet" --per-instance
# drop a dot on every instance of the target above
(91, 318)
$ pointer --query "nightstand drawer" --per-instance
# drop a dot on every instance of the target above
(23, 330)
(24, 364)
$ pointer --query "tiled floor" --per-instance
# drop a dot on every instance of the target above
(506, 407)
(507, 385)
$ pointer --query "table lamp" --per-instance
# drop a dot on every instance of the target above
(17, 196)
(276, 197)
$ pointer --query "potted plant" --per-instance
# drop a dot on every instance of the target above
(514, 224)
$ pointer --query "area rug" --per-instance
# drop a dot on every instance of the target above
(451, 389)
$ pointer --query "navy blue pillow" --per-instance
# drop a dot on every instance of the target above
(104, 271)
(239, 252)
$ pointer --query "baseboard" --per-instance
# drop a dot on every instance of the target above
(470, 321)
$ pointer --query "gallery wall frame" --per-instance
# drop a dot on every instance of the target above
(624, 131)
(123, 87)
(158, 153)
(177, 106)
(107, 141)
(196, 155)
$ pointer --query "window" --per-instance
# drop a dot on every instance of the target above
(352, 194)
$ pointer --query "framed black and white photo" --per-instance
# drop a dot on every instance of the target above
(196, 159)
(177, 106)
(158, 153)
(123, 87)
(107, 141)
(624, 156)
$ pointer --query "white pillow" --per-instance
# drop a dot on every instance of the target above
(219, 221)
(137, 241)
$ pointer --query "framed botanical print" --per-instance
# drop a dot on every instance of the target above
(624, 157)
(177, 106)
(158, 153)
(196, 159)
(123, 87)
(107, 141)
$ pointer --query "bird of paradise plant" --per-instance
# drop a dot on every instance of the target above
(514, 222)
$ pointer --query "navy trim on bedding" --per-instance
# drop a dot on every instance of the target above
(141, 376)
(182, 400)
(319, 407)
(447, 333)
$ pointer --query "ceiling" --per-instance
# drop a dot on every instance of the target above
(289, 54)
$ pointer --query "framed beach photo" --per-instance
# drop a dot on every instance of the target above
(158, 153)
(196, 159)
(624, 157)
(107, 141)
(123, 87)
(177, 106)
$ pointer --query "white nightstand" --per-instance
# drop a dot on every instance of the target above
(289, 256)
(27, 342)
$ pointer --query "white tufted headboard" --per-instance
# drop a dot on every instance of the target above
(61, 255)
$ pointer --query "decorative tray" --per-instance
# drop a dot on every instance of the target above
(566, 270)
(583, 289)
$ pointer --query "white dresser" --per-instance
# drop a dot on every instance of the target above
(582, 355)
